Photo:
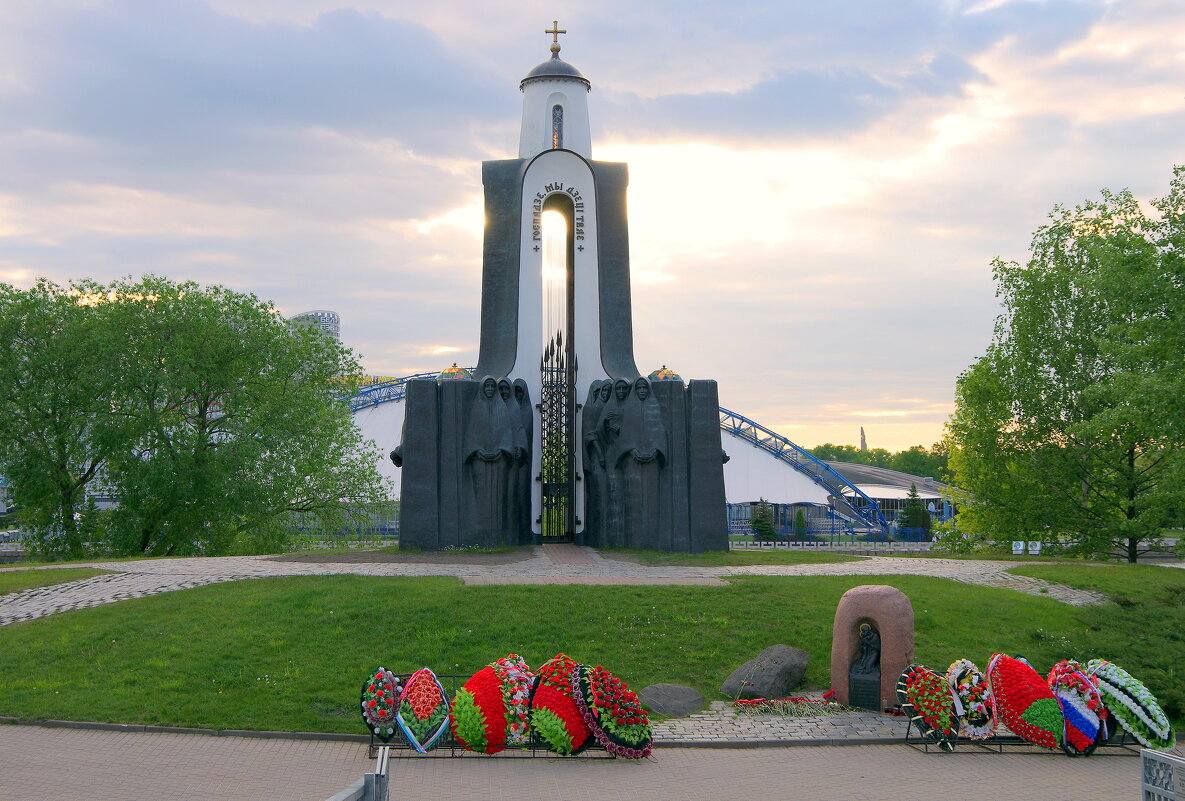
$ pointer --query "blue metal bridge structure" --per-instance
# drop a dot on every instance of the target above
(859, 510)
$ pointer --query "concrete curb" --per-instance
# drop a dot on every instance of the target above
(362, 738)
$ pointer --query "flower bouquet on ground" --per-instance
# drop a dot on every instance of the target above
(795, 706)
(612, 712)
(974, 701)
(380, 692)
(1082, 708)
(555, 720)
(423, 710)
(490, 711)
(1134, 708)
(925, 696)
(1024, 702)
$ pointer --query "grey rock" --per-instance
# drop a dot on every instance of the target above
(774, 673)
(673, 700)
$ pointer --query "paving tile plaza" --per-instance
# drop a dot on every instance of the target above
(138, 578)
(74, 765)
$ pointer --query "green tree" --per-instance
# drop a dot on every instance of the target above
(60, 414)
(242, 423)
(212, 419)
(1069, 427)
(914, 514)
(922, 461)
(800, 523)
(762, 523)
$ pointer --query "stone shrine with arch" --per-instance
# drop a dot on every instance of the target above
(558, 437)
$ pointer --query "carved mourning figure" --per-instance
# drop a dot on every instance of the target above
(593, 459)
(490, 454)
(864, 676)
(612, 424)
(514, 503)
(868, 653)
(638, 456)
(526, 420)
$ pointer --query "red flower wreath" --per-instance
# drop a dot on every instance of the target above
(1024, 702)
(478, 714)
(554, 717)
(925, 696)
(612, 712)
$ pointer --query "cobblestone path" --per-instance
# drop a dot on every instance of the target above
(138, 578)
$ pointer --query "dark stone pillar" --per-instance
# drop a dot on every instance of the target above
(613, 263)
(503, 182)
(419, 519)
(455, 513)
(674, 531)
(708, 530)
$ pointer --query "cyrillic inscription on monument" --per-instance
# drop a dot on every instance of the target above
(537, 209)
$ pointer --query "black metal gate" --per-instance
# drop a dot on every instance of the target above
(557, 506)
(557, 403)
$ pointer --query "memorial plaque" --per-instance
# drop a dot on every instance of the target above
(864, 693)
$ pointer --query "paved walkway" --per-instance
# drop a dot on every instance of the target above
(137, 578)
(73, 765)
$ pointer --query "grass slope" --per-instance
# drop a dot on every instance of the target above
(19, 580)
(1142, 629)
(290, 653)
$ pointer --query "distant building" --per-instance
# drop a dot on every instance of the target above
(327, 321)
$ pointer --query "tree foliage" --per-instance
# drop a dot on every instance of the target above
(914, 514)
(917, 460)
(206, 415)
(1070, 428)
(762, 522)
(60, 421)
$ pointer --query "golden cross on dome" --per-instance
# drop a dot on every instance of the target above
(555, 35)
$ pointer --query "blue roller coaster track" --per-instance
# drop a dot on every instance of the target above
(845, 496)
(847, 499)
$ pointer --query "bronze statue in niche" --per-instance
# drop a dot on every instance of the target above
(864, 676)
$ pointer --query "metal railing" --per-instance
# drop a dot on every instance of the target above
(1162, 776)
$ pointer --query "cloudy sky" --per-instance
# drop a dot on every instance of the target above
(817, 189)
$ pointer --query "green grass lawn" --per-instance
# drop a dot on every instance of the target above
(1123, 583)
(721, 558)
(18, 580)
(290, 653)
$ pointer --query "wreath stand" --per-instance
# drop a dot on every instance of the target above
(448, 747)
(1119, 744)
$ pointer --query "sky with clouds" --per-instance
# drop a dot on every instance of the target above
(817, 189)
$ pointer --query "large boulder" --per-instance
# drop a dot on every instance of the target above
(672, 700)
(774, 673)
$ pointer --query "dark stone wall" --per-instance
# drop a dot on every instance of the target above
(442, 503)
(684, 509)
